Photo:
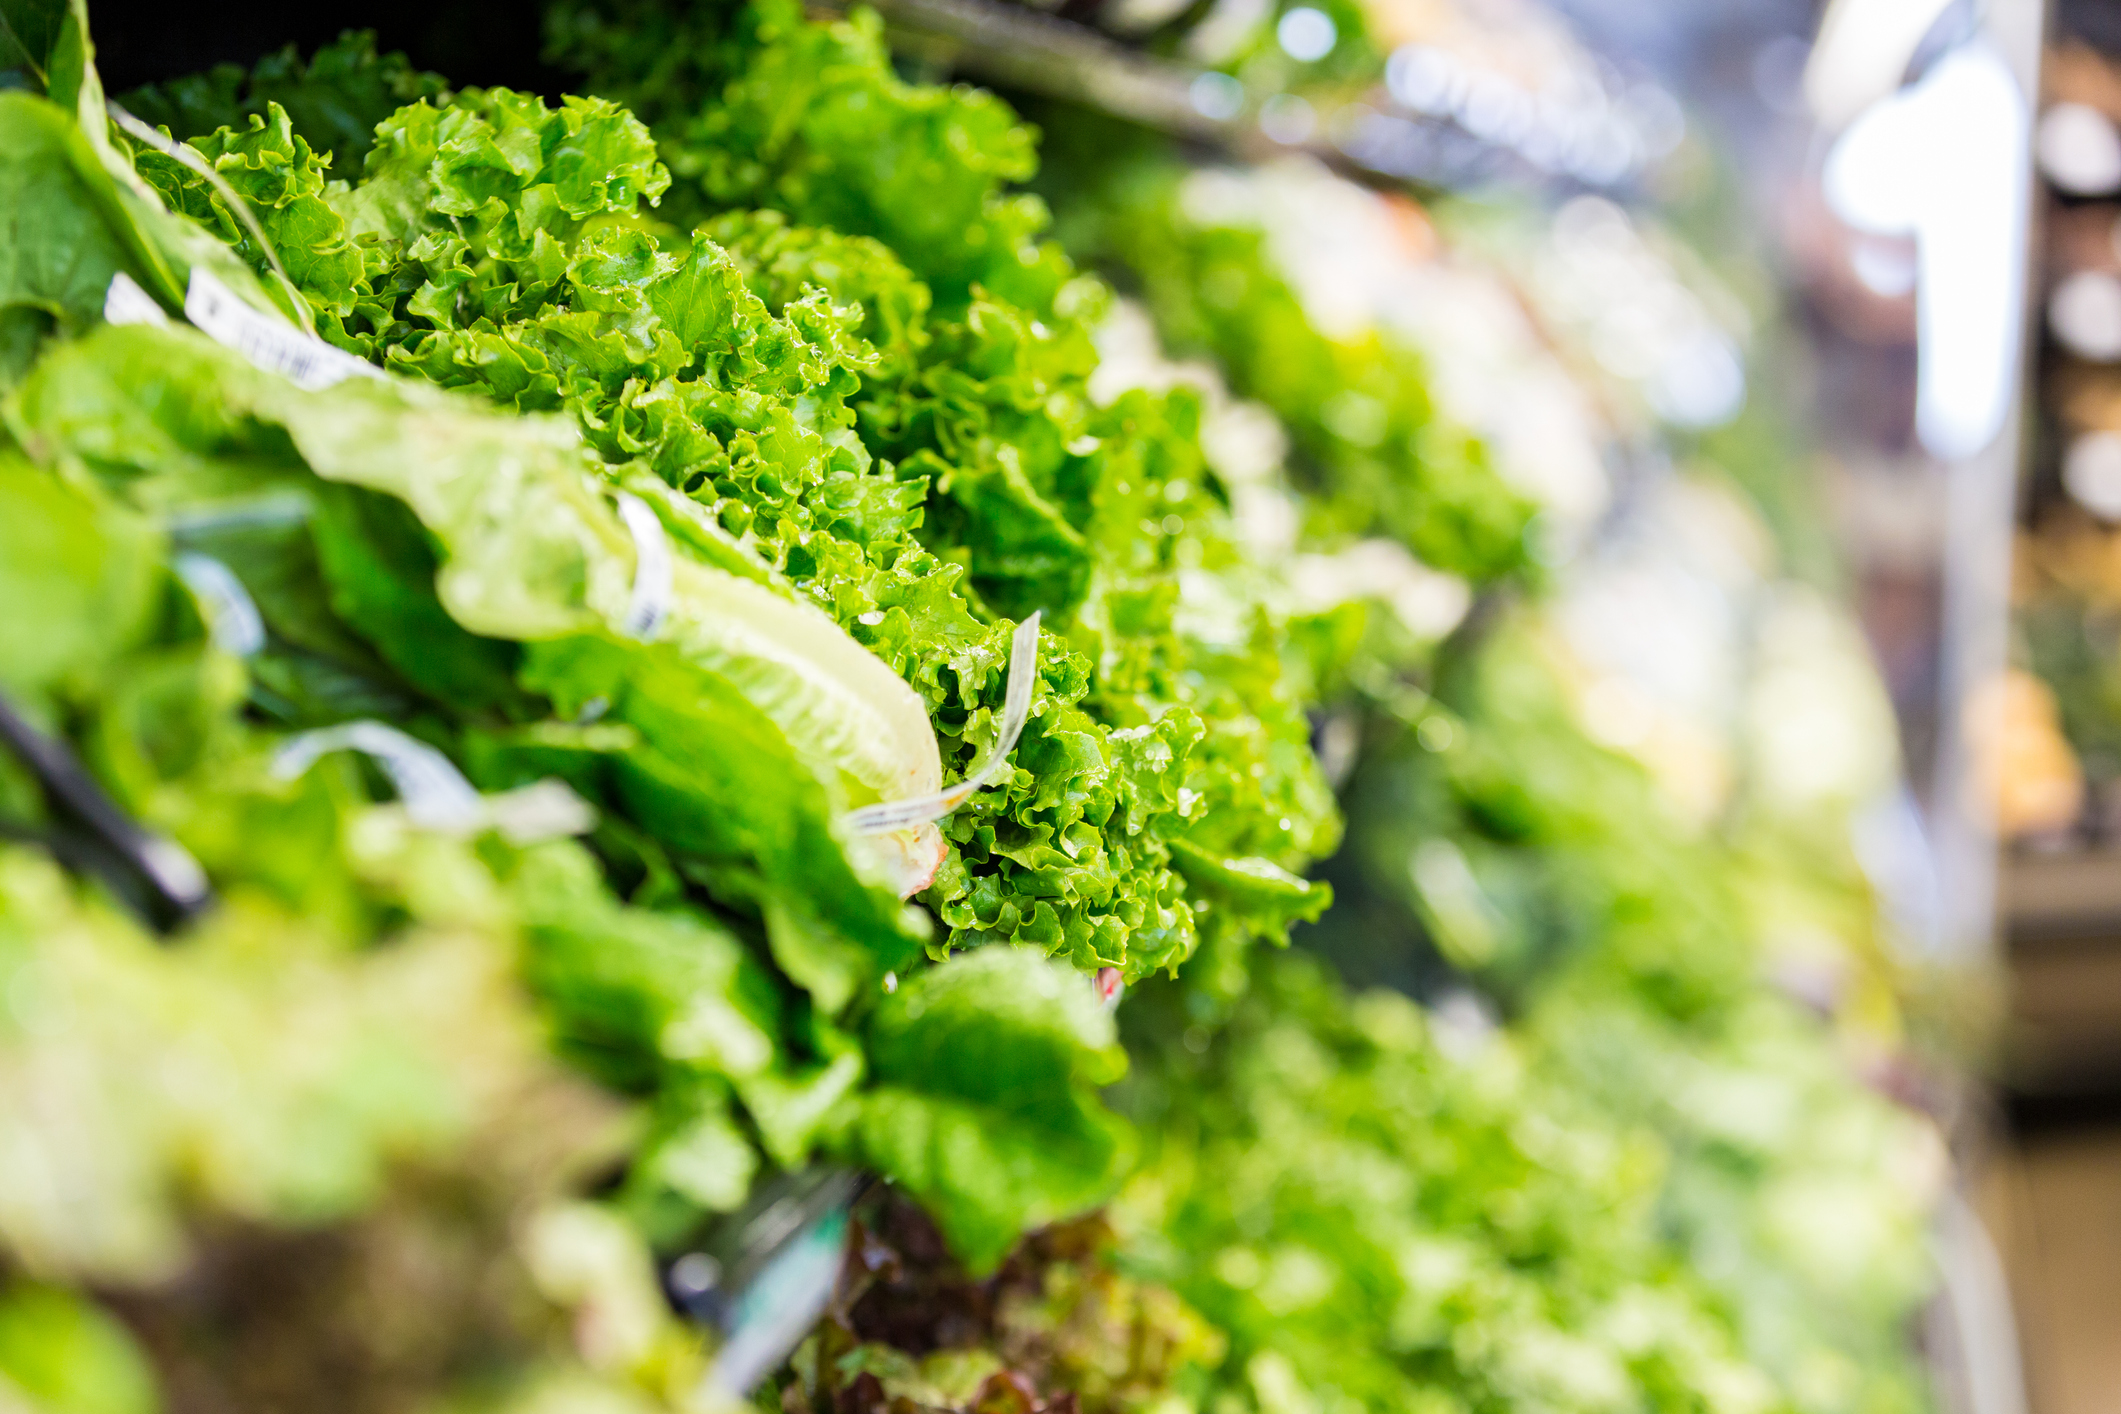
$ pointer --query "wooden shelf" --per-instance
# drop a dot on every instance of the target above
(2064, 897)
(2060, 917)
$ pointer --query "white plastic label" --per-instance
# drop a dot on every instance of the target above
(231, 614)
(272, 344)
(1016, 710)
(651, 568)
(126, 303)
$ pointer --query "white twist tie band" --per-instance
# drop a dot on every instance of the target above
(1016, 710)
(126, 303)
(231, 614)
(434, 792)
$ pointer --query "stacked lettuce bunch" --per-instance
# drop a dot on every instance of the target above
(914, 450)
(1495, 851)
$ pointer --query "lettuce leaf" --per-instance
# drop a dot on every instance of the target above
(756, 108)
(985, 1104)
(310, 1070)
(82, 582)
(335, 99)
(1370, 446)
(820, 445)
(65, 238)
(1375, 1219)
(60, 1352)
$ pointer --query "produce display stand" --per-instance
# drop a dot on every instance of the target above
(2044, 757)
(1116, 708)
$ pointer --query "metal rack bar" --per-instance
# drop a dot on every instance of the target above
(1373, 140)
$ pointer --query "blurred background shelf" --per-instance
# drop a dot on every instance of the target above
(2061, 925)
(2065, 897)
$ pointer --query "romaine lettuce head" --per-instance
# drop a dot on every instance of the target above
(520, 547)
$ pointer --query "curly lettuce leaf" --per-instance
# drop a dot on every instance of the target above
(1370, 446)
(79, 213)
(335, 99)
(1623, 939)
(1372, 1219)
(272, 171)
(757, 108)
